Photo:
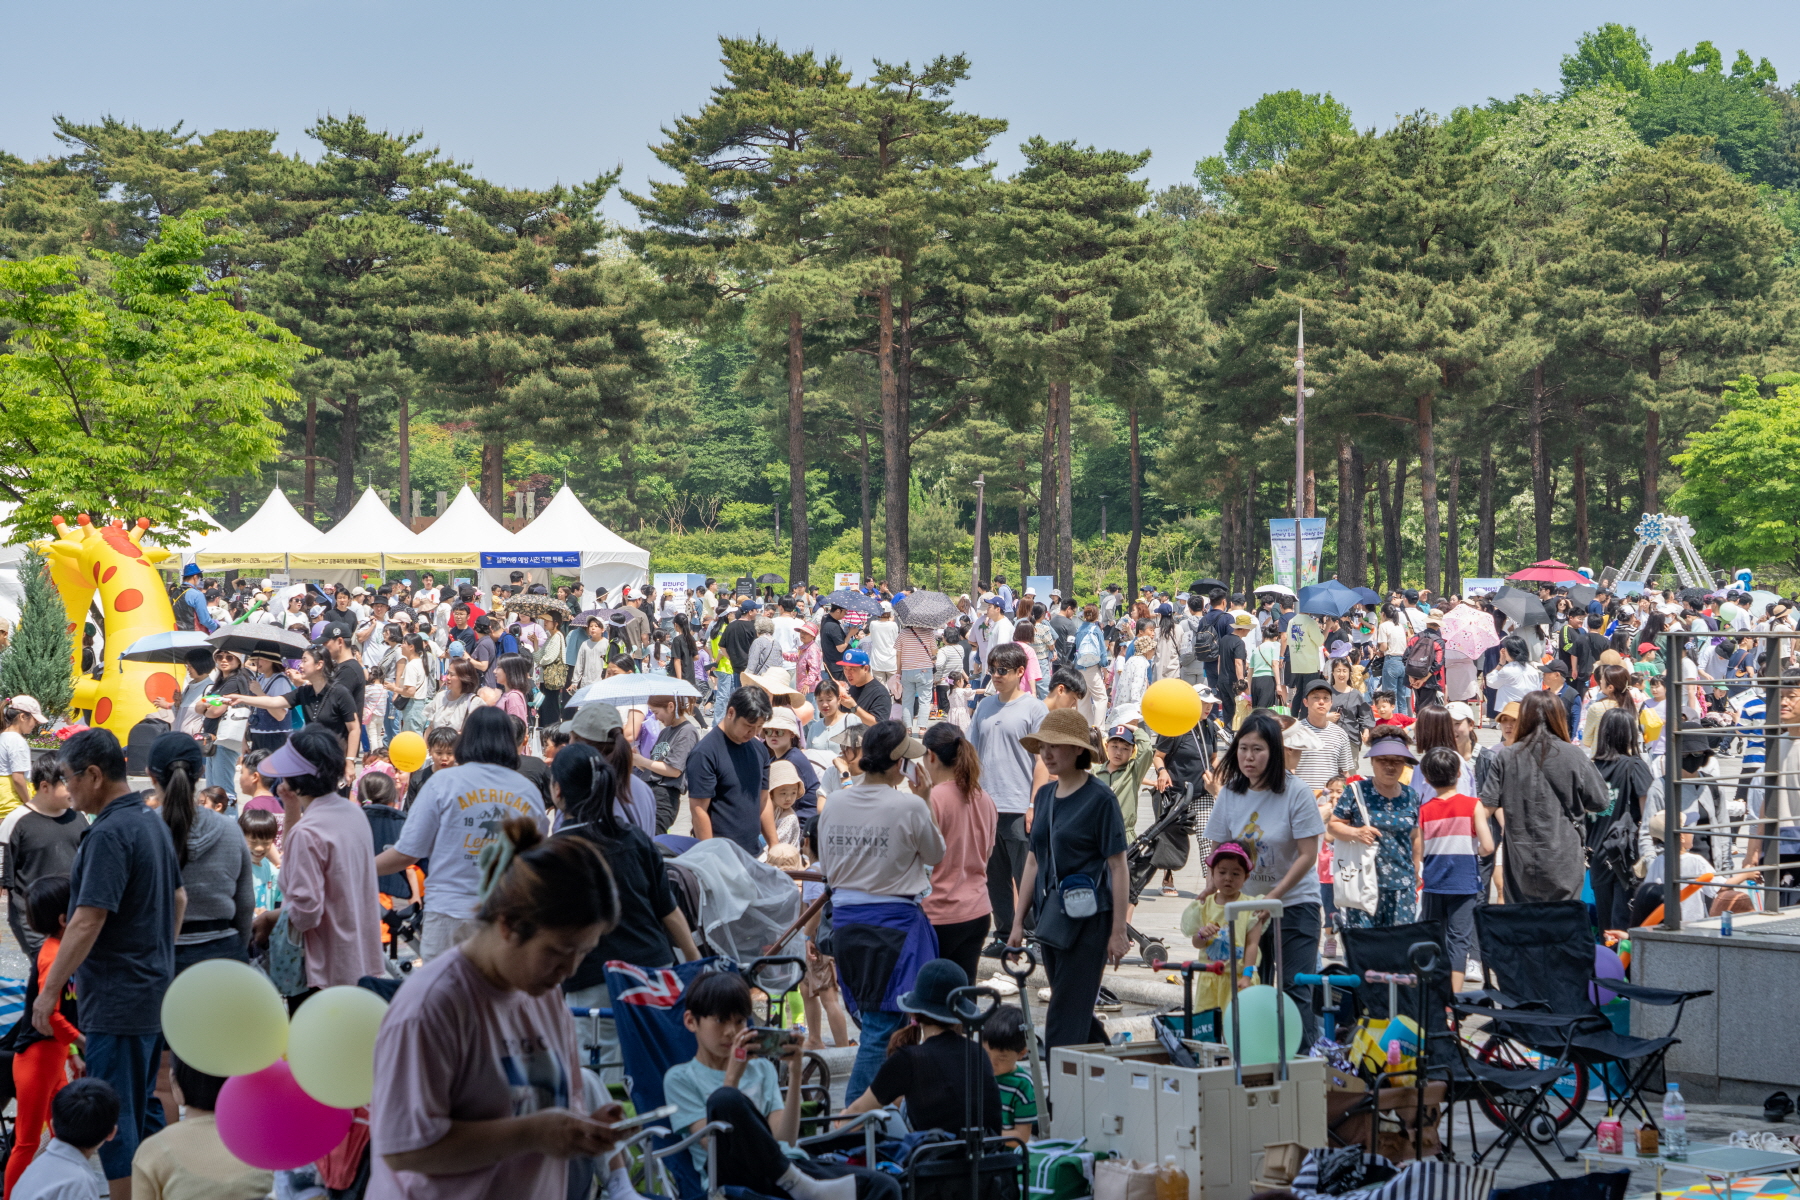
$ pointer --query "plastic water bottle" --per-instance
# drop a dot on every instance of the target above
(1675, 1133)
(1725, 924)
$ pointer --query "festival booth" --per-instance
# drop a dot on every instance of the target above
(567, 538)
(12, 591)
(260, 545)
(362, 542)
(184, 547)
(456, 542)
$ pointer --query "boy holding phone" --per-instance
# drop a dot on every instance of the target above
(732, 1078)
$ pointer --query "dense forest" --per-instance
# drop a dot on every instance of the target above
(1526, 322)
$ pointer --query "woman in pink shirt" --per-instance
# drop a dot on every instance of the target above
(958, 906)
(478, 1084)
(327, 863)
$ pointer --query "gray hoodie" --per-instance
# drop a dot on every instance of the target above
(217, 877)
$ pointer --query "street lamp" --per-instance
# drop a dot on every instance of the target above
(1102, 516)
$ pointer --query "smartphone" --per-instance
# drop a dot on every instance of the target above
(644, 1118)
(769, 1042)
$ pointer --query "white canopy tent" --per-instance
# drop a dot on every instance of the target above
(566, 537)
(183, 547)
(261, 544)
(368, 535)
(453, 544)
(12, 591)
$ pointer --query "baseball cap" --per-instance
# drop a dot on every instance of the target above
(856, 658)
(1122, 733)
(29, 704)
(1510, 709)
(594, 721)
(456, 650)
(1318, 684)
(1459, 711)
(334, 630)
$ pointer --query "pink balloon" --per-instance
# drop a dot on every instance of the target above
(1606, 966)
(269, 1122)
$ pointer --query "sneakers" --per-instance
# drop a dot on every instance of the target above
(994, 949)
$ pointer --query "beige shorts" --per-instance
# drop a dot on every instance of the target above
(441, 932)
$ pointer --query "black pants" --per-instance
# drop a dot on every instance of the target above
(1006, 866)
(1612, 899)
(750, 1157)
(668, 806)
(1302, 680)
(1075, 984)
(550, 712)
(1299, 956)
(961, 943)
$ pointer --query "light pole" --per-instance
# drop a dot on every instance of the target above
(980, 516)
(1103, 516)
(1299, 441)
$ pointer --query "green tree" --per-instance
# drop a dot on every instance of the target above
(902, 171)
(1737, 482)
(739, 220)
(1079, 271)
(37, 662)
(1670, 273)
(1264, 134)
(130, 385)
(1613, 55)
(1691, 94)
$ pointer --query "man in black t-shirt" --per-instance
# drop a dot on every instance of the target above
(738, 637)
(833, 638)
(728, 775)
(865, 697)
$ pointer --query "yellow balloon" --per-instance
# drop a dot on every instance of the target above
(407, 751)
(1170, 707)
(224, 1018)
(331, 1045)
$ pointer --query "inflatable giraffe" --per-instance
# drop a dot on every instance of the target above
(133, 602)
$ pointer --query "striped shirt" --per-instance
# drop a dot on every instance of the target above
(1451, 848)
(1018, 1099)
(917, 648)
(1336, 757)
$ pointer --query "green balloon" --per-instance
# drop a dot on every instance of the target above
(1256, 1041)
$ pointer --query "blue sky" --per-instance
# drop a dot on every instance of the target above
(534, 91)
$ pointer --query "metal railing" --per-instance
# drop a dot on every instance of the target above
(1760, 827)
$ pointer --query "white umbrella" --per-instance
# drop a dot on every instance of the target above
(1275, 589)
(631, 688)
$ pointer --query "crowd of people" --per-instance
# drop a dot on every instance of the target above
(964, 788)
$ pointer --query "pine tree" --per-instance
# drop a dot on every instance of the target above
(738, 223)
(38, 663)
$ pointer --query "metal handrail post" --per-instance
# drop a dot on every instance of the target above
(1672, 798)
(1769, 848)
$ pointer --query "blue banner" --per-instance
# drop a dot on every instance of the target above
(566, 559)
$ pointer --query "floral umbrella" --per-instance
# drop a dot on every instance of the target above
(1469, 630)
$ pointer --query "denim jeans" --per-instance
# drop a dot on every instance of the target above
(221, 770)
(129, 1061)
(1393, 679)
(724, 683)
(915, 696)
(390, 720)
(877, 1026)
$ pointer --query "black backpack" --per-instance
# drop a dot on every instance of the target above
(1421, 657)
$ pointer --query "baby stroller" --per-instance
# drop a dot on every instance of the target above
(1141, 862)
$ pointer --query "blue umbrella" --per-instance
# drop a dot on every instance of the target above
(1367, 595)
(1328, 599)
(852, 600)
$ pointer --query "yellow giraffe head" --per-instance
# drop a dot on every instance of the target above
(108, 560)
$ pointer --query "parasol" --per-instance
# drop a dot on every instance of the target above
(1522, 607)
(925, 610)
(771, 577)
(630, 688)
(1760, 601)
(1367, 595)
(1328, 599)
(1275, 589)
(260, 639)
(1549, 571)
(1583, 595)
(1469, 630)
(1203, 586)
(601, 614)
(851, 600)
(537, 604)
(171, 647)
(1693, 593)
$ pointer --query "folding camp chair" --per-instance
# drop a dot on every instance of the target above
(1515, 1097)
(1542, 955)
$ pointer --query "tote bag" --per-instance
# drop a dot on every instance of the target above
(1354, 880)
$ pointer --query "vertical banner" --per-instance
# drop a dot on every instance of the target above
(1281, 549)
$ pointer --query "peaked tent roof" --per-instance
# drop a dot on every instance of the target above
(566, 524)
(183, 546)
(458, 538)
(261, 543)
(359, 541)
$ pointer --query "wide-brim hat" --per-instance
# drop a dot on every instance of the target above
(1063, 727)
(775, 681)
(930, 995)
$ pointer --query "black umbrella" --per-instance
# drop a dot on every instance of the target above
(260, 639)
(1522, 607)
(1203, 586)
(1693, 593)
(1583, 594)
(771, 577)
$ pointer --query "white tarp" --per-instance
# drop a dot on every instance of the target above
(182, 547)
(261, 544)
(566, 526)
(456, 541)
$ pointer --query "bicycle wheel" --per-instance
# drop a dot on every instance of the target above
(1558, 1111)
